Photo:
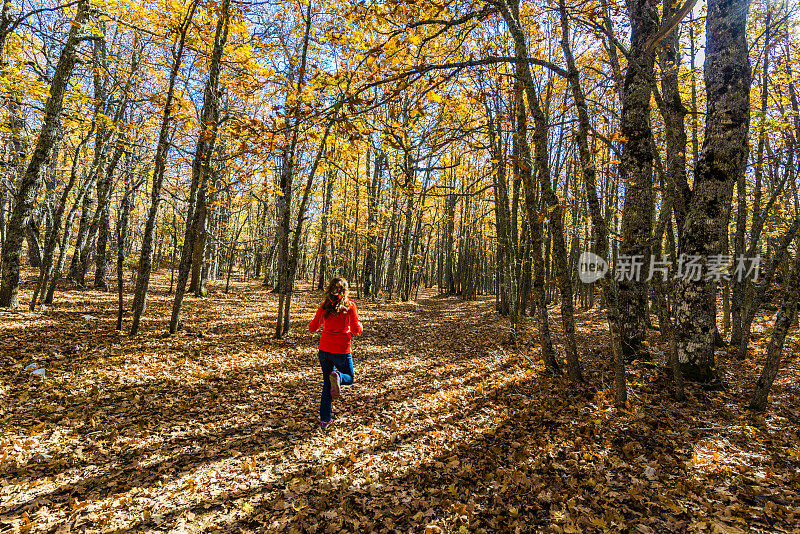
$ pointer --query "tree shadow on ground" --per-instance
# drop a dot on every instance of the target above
(440, 428)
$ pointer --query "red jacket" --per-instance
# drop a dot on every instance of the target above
(335, 336)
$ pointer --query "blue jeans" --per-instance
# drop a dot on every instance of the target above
(343, 364)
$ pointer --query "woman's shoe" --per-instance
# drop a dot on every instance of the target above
(325, 424)
(336, 381)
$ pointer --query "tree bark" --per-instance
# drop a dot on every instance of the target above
(405, 244)
(206, 138)
(159, 167)
(370, 270)
(775, 347)
(126, 206)
(535, 222)
(636, 172)
(599, 226)
(26, 194)
(323, 231)
(510, 13)
(46, 269)
(102, 220)
(721, 162)
(287, 264)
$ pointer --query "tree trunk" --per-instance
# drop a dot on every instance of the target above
(122, 236)
(46, 269)
(26, 194)
(502, 217)
(405, 244)
(101, 223)
(636, 171)
(206, 138)
(34, 248)
(542, 171)
(323, 231)
(370, 271)
(759, 292)
(146, 256)
(779, 331)
(62, 253)
(535, 222)
(720, 164)
(81, 241)
(199, 237)
(599, 226)
(286, 263)
(99, 180)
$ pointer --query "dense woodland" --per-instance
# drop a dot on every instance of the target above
(477, 148)
(158, 157)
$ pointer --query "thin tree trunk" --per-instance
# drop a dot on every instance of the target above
(532, 212)
(287, 177)
(542, 171)
(206, 138)
(146, 257)
(599, 225)
(46, 270)
(371, 285)
(122, 235)
(405, 244)
(323, 232)
(101, 224)
(775, 347)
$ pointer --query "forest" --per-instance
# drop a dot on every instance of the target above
(572, 229)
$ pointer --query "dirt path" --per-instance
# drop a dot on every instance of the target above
(446, 427)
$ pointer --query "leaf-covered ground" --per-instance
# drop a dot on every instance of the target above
(448, 428)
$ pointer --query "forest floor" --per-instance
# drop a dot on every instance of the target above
(448, 427)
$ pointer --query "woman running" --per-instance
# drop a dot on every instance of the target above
(338, 316)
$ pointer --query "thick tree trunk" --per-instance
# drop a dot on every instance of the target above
(636, 171)
(720, 164)
(25, 197)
